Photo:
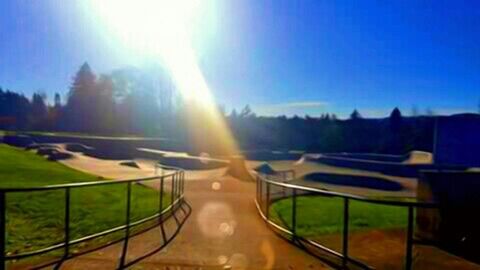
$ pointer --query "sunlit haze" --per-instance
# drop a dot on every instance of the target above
(163, 30)
(284, 57)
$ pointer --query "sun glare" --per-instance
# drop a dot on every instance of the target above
(163, 29)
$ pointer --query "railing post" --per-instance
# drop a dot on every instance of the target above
(256, 188)
(174, 187)
(3, 232)
(267, 212)
(67, 223)
(345, 231)
(173, 190)
(182, 175)
(409, 255)
(178, 187)
(127, 224)
(160, 210)
(294, 213)
(260, 192)
(160, 203)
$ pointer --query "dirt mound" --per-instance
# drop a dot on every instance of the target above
(47, 150)
(238, 169)
(53, 152)
(59, 155)
(265, 168)
(78, 147)
(130, 163)
(35, 146)
(419, 157)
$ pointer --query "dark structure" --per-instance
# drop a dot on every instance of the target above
(457, 140)
(451, 225)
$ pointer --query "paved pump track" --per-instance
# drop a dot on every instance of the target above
(220, 230)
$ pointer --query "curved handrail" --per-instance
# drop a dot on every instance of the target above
(330, 193)
(177, 199)
(260, 201)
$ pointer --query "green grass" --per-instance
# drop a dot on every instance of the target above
(318, 215)
(36, 219)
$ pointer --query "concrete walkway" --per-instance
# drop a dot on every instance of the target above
(224, 230)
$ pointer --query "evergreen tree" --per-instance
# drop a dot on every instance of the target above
(355, 115)
(39, 111)
(247, 112)
(395, 135)
(395, 118)
(57, 101)
(79, 113)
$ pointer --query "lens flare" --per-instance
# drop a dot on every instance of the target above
(163, 29)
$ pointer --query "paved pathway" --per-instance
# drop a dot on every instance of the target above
(224, 231)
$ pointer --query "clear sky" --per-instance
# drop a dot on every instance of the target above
(281, 57)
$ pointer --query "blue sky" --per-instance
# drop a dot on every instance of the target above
(281, 57)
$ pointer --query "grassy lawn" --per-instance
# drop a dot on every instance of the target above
(324, 215)
(36, 220)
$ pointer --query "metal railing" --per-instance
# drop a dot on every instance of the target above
(265, 196)
(177, 178)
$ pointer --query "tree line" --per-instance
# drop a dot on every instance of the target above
(395, 134)
(127, 101)
(130, 101)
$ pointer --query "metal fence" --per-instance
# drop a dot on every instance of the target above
(175, 189)
(270, 190)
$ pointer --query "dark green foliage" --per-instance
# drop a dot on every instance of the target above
(396, 135)
(14, 110)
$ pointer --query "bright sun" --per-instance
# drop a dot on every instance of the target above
(161, 29)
